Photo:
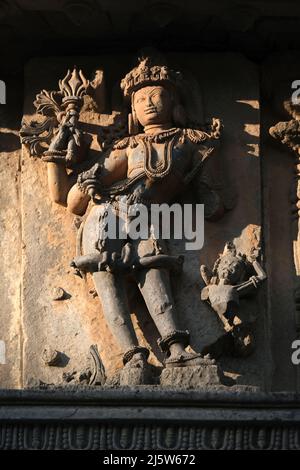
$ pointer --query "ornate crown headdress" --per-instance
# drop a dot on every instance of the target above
(230, 251)
(149, 73)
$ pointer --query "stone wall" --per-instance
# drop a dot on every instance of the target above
(11, 237)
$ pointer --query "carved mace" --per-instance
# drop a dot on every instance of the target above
(73, 87)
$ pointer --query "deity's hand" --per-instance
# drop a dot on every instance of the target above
(205, 274)
(61, 139)
(68, 146)
(255, 281)
(89, 181)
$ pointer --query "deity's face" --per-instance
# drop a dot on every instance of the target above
(230, 269)
(153, 105)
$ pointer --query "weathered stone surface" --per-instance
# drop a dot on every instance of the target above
(51, 357)
(191, 376)
(134, 376)
(10, 240)
(58, 293)
(10, 247)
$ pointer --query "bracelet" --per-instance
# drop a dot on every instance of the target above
(82, 188)
(53, 153)
(54, 159)
(136, 349)
(176, 336)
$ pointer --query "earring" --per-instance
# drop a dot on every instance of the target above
(133, 125)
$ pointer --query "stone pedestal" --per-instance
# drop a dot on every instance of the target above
(134, 376)
(204, 375)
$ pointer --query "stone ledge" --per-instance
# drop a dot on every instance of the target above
(148, 418)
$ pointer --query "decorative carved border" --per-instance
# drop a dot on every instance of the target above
(146, 437)
(147, 419)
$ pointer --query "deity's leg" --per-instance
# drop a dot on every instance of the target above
(112, 294)
(155, 287)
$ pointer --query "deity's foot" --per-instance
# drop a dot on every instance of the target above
(187, 370)
(136, 370)
(185, 358)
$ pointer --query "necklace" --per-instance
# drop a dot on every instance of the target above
(160, 169)
(159, 137)
(134, 140)
(168, 137)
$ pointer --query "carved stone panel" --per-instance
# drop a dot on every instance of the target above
(61, 314)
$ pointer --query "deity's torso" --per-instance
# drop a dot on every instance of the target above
(158, 171)
(163, 162)
(165, 166)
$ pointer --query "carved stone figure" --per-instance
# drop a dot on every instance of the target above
(154, 163)
(232, 277)
(288, 133)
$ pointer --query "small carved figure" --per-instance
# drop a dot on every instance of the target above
(233, 276)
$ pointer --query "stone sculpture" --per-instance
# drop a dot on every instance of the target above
(155, 161)
(232, 277)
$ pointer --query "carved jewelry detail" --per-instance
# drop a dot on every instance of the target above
(163, 168)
